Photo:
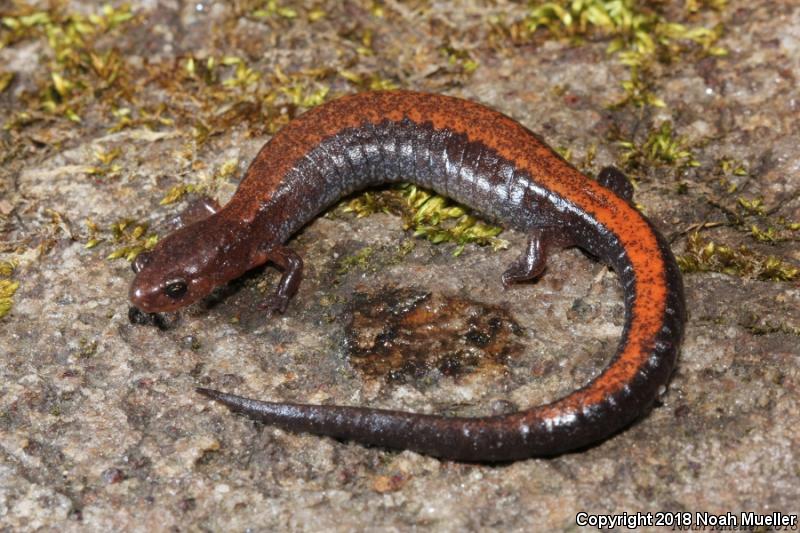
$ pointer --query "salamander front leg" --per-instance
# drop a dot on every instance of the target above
(292, 266)
(532, 261)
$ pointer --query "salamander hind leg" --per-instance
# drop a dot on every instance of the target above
(531, 262)
(614, 179)
(292, 266)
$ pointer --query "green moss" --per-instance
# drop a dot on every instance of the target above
(271, 8)
(731, 166)
(754, 206)
(662, 147)
(461, 62)
(439, 219)
(768, 235)
(206, 96)
(7, 269)
(369, 82)
(177, 192)
(638, 34)
(78, 71)
(130, 238)
(631, 26)
(8, 287)
(707, 256)
(791, 226)
(428, 215)
(639, 89)
(693, 6)
(204, 185)
(105, 166)
(359, 260)
(389, 201)
(773, 327)
(728, 171)
(278, 13)
(751, 216)
(5, 80)
(127, 237)
(375, 258)
(88, 348)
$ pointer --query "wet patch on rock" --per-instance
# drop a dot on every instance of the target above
(409, 335)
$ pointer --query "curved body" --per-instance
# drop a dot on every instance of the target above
(488, 162)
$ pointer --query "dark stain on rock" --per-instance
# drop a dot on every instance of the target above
(402, 335)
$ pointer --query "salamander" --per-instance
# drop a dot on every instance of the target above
(480, 158)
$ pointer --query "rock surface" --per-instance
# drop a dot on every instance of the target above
(99, 425)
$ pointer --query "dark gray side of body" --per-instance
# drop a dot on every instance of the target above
(447, 162)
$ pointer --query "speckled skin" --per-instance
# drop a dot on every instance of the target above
(480, 158)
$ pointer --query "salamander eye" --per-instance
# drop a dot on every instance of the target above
(175, 288)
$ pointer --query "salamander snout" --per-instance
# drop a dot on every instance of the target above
(159, 296)
(144, 298)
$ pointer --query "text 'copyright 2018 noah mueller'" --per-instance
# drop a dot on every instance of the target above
(692, 521)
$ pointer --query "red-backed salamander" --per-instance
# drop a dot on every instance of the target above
(480, 158)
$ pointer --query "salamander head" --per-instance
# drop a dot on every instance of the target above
(187, 265)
